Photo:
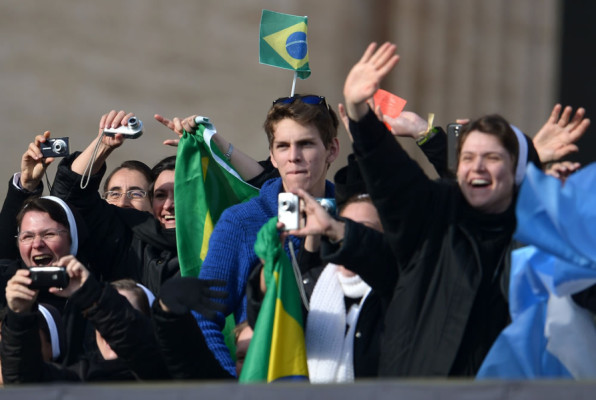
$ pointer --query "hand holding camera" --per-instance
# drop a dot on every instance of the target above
(114, 128)
(318, 212)
(34, 161)
(19, 297)
(75, 275)
(131, 128)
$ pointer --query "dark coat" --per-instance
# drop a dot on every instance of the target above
(10, 261)
(183, 345)
(128, 243)
(128, 332)
(449, 303)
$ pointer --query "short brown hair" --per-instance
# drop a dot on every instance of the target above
(139, 294)
(321, 116)
(496, 126)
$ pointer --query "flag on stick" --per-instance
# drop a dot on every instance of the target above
(277, 350)
(283, 42)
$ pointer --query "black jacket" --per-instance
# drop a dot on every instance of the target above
(128, 332)
(10, 261)
(449, 303)
(20, 352)
(184, 348)
(128, 243)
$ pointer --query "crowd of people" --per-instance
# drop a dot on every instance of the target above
(409, 279)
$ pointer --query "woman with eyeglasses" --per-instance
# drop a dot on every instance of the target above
(38, 231)
(127, 186)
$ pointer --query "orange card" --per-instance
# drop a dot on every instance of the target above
(391, 105)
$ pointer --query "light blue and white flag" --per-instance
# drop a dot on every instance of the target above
(550, 336)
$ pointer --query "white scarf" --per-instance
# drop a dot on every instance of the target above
(329, 349)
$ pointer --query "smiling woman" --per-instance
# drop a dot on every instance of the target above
(44, 234)
(162, 192)
(451, 242)
(487, 154)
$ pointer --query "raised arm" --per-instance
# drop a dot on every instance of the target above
(108, 144)
(21, 186)
(245, 165)
(365, 78)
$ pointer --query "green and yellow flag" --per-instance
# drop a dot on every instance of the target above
(277, 350)
(205, 185)
(283, 42)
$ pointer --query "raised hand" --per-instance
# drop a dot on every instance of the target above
(178, 126)
(365, 77)
(407, 124)
(113, 119)
(33, 164)
(558, 135)
(562, 170)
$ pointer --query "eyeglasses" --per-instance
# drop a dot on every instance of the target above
(50, 235)
(136, 194)
(308, 99)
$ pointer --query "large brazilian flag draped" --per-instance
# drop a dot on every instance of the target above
(205, 185)
(283, 42)
(277, 350)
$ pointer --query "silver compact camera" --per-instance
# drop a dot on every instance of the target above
(133, 130)
(56, 147)
(288, 210)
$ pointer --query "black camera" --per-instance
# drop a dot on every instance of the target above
(56, 147)
(47, 277)
(133, 130)
(452, 139)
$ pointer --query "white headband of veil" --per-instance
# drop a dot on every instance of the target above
(74, 236)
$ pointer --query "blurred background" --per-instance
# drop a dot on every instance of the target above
(65, 63)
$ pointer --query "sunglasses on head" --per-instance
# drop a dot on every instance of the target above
(308, 99)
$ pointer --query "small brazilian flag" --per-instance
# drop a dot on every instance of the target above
(283, 42)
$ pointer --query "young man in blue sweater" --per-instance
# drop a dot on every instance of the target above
(302, 134)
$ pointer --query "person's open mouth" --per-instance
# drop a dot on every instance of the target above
(42, 259)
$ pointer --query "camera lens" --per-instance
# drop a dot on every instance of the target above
(287, 205)
(133, 123)
(59, 147)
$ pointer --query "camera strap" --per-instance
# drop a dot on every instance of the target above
(87, 173)
(298, 276)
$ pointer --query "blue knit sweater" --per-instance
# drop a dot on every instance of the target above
(231, 257)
